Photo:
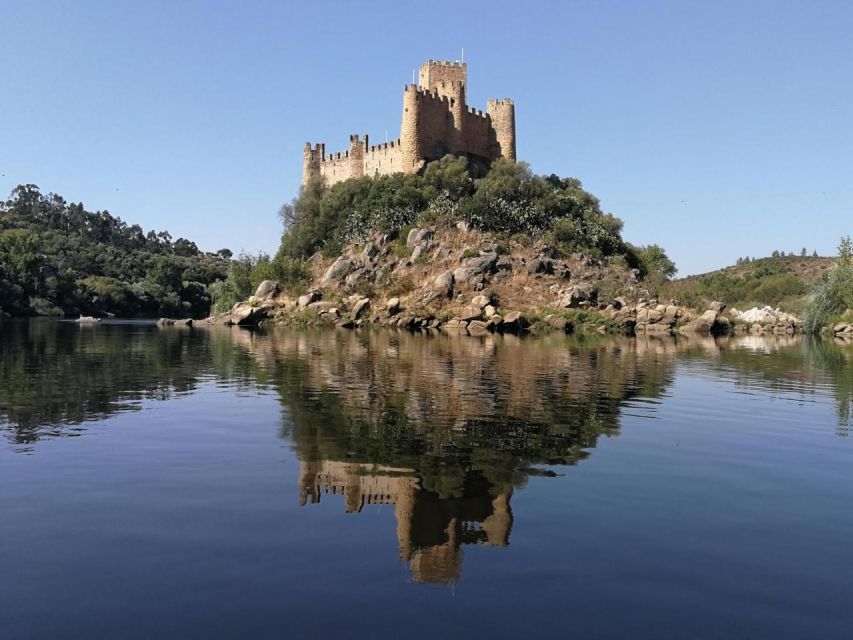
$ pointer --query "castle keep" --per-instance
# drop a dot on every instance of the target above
(436, 121)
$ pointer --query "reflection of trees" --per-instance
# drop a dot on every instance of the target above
(445, 428)
(54, 375)
(805, 366)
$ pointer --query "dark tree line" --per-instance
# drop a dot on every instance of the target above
(57, 258)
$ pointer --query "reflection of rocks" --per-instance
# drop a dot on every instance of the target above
(430, 529)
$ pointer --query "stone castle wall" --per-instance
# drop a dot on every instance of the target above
(435, 121)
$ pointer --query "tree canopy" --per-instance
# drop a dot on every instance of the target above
(57, 258)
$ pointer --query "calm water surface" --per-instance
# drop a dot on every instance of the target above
(178, 483)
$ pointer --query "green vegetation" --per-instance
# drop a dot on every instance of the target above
(508, 200)
(834, 294)
(58, 259)
(247, 272)
(775, 281)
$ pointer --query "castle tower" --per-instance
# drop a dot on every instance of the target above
(311, 158)
(443, 76)
(410, 131)
(502, 113)
(356, 155)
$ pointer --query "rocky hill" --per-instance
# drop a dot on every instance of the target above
(460, 279)
(779, 282)
(433, 276)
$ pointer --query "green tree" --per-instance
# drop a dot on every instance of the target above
(835, 293)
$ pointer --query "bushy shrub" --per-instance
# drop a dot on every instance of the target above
(834, 294)
(508, 200)
(247, 272)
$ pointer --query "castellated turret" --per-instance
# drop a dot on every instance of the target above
(436, 121)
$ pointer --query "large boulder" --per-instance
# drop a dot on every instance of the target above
(540, 266)
(321, 306)
(355, 278)
(478, 327)
(370, 251)
(360, 308)
(306, 299)
(337, 272)
(462, 274)
(472, 312)
(393, 306)
(514, 321)
(418, 237)
(244, 314)
(481, 301)
(482, 264)
(444, 284)
(843, 329)
(267, 289)
(455, 324)
(705, 323)
(578, 296)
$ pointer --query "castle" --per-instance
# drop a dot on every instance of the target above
(430, 530)
(436, 121)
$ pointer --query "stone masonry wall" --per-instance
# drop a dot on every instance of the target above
(435, 121)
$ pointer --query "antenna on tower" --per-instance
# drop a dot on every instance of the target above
(463, 55)
(413, 76)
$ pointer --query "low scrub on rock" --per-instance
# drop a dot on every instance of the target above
(507, 200)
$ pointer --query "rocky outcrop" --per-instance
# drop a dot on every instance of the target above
(267, 290)
(444, 284)
(360, 308)
(173, 322)
(515, 321)
(709, 322)
(656, 317)
(765, 320)
(336, 273)
(244, 314)
(457, 278)
(843, 330)
(577, 296)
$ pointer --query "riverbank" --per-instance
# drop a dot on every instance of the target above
(454, 278)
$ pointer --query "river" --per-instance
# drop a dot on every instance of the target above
(225, 483)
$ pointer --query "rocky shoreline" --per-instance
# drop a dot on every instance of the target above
(481, 316)
(459, 280)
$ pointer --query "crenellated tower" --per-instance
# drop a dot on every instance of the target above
(502, 113)
(436, 120)
(311, 160)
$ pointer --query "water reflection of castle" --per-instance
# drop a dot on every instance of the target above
(430, 529)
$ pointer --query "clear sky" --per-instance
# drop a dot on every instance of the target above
(716, 129)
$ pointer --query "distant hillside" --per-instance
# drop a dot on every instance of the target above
(782, 281)
(57, 259)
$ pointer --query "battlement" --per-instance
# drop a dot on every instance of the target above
(435, 121)
(446, 63)
(478, 112)
(385, 146)
(431, 94)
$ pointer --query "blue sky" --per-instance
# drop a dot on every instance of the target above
(716, 129)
